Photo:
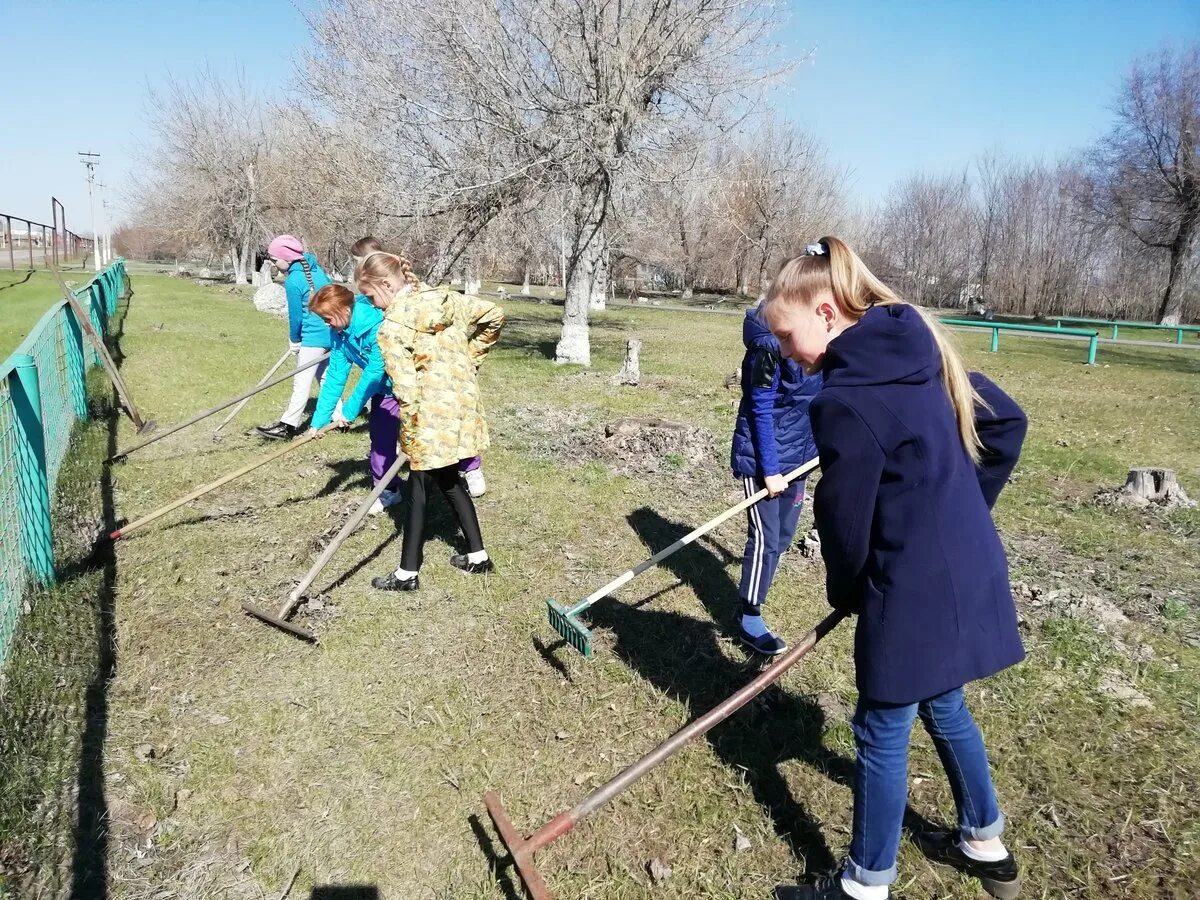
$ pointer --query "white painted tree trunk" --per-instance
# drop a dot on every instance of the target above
(574, 345)
(525, 284)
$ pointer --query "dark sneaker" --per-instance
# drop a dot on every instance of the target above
(460, 561)
(767, 644)
(390, 582)
(1001, 879)
(823, 887)
(280, 431)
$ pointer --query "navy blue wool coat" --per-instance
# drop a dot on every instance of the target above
(772, 435)
(905, 516)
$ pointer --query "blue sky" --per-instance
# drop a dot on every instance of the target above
(890, 87)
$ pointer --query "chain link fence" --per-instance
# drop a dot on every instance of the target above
(43, 393)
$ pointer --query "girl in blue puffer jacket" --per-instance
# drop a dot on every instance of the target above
(771, 438)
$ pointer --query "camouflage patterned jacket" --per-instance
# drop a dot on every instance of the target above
(432, 341)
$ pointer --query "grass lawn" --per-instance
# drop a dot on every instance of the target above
(231, 756)
(24, 296)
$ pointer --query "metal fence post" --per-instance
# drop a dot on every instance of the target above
(995, 340)
(1116, 328)
(1179, 336)
(1093, 341)
(37, 539)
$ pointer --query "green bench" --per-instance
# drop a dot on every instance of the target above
(997, 327)
(1116, 325)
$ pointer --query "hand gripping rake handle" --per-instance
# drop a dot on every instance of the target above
(121, 454)
(241, 404)
(688, 538)
(522, 849)
(201, 491)
(110, 367)
(352, 523)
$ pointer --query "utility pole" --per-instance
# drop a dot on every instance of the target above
(91, 160)
(105, 226)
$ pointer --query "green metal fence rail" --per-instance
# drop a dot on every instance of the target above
(997, 327)
(1117, 325)
(43, 393)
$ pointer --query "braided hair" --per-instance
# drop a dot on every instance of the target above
(379, 265)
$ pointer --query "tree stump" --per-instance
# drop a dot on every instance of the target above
(1153, 485)
(631, 372)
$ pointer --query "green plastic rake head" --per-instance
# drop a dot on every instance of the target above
(569, 628)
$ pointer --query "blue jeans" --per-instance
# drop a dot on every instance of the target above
(881, 736)
(771, 526)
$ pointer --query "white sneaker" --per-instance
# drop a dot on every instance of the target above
(383, 501)
(476, 486)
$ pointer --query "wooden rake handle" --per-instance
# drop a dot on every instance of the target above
(241, 405)
(212, 486)
(621, 580)
(352, 523)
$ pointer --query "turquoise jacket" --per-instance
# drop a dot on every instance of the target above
(304, 327)
(353, 346)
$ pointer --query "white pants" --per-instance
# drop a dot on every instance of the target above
(302, 384)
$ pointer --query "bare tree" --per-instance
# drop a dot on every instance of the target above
(482, 103)
(1145, 174)
(204, 178)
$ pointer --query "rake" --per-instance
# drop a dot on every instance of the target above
(120, 455)
(521, 849)
(242, 403)
(280, 619)
(110, 367)
(566, 621)
(212, 486)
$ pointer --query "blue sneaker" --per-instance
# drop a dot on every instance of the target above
(767, 644)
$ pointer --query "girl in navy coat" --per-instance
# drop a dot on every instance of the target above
(772, 437)
(914, 452)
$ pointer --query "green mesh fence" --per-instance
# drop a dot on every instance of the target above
(43, 393)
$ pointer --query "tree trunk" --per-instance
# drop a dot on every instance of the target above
(1170, 311)
(586, 263)
(600, 277)
(240, 262)
(631, 372)
(525, 284)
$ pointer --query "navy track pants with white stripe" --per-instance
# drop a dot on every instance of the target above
(772, 525)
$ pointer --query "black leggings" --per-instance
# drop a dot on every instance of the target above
(419, 485)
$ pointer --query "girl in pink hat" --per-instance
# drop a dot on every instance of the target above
(308, 335)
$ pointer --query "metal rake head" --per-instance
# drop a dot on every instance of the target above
(571, 631)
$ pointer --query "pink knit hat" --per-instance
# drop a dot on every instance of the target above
(285, 247)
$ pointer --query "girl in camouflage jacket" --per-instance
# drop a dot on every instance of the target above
(433, 340)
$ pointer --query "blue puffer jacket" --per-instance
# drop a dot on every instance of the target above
(306, 327)
(904, 514)
(355, 345)
(773, 434)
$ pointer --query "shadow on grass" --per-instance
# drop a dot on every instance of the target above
(344, 892)
(1183, 361)
(89, 867)
(681, 656)
(499, 866)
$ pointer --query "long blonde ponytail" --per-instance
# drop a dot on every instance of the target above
(830, 265)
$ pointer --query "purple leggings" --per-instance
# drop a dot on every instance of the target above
(384, 427)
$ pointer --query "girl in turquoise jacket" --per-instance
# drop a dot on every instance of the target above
(353, 323)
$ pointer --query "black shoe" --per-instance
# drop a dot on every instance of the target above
(823, 887)
(460, 561)
(767, 644)
(280, 431)
(1001, 879)
(390, 582)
